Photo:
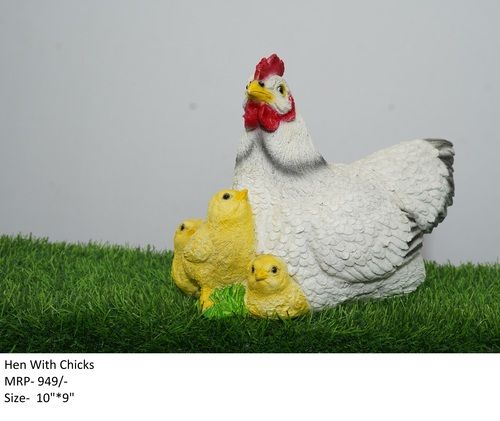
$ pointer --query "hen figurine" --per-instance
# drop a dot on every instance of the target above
(344, 231)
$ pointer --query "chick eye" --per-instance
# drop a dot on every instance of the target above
(253, 268)
(182, 227)
(274, 269)
(281, 89)
(226, 196)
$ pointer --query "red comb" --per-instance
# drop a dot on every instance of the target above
(272, 65)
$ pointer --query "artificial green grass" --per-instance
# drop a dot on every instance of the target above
(96, 298)
(227, 302)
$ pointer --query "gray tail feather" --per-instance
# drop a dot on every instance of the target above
(416, 241)
(446, 155)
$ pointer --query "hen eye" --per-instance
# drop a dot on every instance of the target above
(281, 89)
(182, 227)
(253, 268)
(274, 269)
(226, 196)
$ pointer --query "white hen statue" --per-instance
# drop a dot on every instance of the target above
(345, 231)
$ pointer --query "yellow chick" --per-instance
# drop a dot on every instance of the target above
(220, 252)
(271, 291)
(182, 235)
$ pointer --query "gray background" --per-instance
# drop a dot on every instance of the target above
(118, 119)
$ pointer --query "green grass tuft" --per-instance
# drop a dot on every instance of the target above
(228, 302)
(58, 297)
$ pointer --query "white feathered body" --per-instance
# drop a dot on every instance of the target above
(345, 231)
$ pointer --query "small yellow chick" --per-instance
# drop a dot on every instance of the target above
(271, 291)
(182, 235)
(220, 252)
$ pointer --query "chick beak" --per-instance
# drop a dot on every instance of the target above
(257, 92)
(241, 195)
(260, 275)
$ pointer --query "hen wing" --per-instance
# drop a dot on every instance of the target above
(418, 173)
(360, 235)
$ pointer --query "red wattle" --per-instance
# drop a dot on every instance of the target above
(261, 114)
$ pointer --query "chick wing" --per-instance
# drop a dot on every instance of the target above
(199, 248)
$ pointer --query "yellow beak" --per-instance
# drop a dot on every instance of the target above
(260, 275)
(256, 92)
(241, 195)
